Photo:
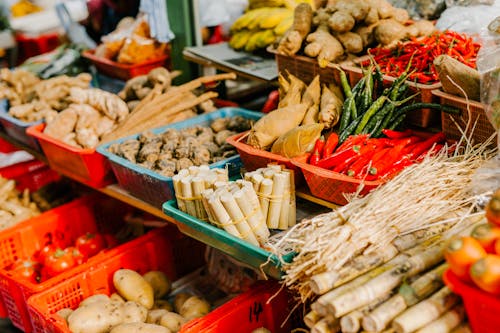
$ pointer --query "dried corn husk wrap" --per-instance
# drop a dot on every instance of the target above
(270, 127)
(298, 141)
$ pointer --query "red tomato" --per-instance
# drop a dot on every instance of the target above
(77, 255)
(46, 251)
(90, 244)
(59, 261)
(27, 269)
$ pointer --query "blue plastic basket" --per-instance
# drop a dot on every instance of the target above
(239, 249)
(16, 128)
(152, 187)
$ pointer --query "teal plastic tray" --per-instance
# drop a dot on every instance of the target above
(149, 185)
(237, 248)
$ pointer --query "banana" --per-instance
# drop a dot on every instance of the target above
(253, 4)
(243, 21)
(274, 18)
(251, 44)
(265, 38)
(240, 39)
(264, 14)
(284, 25)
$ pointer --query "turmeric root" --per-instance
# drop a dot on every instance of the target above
(293, 38)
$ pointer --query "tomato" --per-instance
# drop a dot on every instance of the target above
(46, 251)
(90, 244)
(77, 255)
(59, 261)
(27, 269)
(493, 209)
(486, 273)
(461, 253)
(486, 235)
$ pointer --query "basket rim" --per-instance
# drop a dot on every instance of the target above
(458, 99)
(36, 131)
(90, 54)
(233, 140)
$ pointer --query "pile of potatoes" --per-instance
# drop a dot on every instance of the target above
(137, 306)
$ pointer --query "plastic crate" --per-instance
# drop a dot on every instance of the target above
(29, 46)
(62, 224)
(254, 158)
(84, 165)
(480, 128)
(482, 308)
(30, 175)
(152, 187)
(125, 71)
(16, 128)
(263, 306)
(152, 251)
(237, 248)
(329, 185)
(421, 118)
(305, 68)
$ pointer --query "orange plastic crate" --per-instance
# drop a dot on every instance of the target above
(482, 308)
(150, 252)
(62, 225)
(480, 128)
(262, 306)
(84, 165)
(329, 185)
(125, 71)
(421, 118)
(254, 158)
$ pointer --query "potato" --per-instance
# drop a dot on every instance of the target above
(93, 299)
(133, 287)
(173, 321)
(155, 315)
(64, 313)
(134, 313)
(97, 317)
(163, 304)
(116, 298)
(194, 307)
(261, 330)
(160, 283)
(180, 298)
(139, 328)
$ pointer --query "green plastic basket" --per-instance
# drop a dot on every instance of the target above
(237, 248)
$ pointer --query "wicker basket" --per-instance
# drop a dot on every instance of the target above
(305, 68)
(422, 118)
(478, 130)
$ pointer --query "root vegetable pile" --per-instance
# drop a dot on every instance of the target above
(14, 206)
(173, 150)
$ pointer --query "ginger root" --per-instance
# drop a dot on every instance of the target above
(322, 45)
(291, 42)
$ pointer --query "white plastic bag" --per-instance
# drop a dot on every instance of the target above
(471, 20)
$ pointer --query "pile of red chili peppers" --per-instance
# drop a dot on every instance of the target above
(360, 156)
(421, 52)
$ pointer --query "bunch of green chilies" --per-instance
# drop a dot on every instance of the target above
(421, 52)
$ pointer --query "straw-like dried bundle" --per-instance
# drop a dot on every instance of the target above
(419, 197)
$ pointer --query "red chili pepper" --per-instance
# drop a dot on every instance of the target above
(314, 158)
(351, 141)
(330, 145)
(360, 167)
(426, 145)
(338, 157)
(391, 134)
(396, 168)
(365, 149)
(318, 149)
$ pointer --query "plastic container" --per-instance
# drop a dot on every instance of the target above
(480, 128)
(30, 175)
(305, 68)
(254, 158)
(125, 71)
(329, 185)
(237, 248)
(62, 224)
(31, 46)
(152, 187)
(84, 165)
(422, 118)
(482, 308)
(152, 251)
(262, 306)
(16, 128)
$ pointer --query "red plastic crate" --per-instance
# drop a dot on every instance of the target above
(150, 252)
(482, 308)
(329, 185)
(125, 71)
(30, 175)
(421, 118)
(254, 158)
(7, 147)
(84, 165)
(263, 306)
(32, 46)
(62, 224)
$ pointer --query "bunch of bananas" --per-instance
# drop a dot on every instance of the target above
(24, 7)
(258, 28)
